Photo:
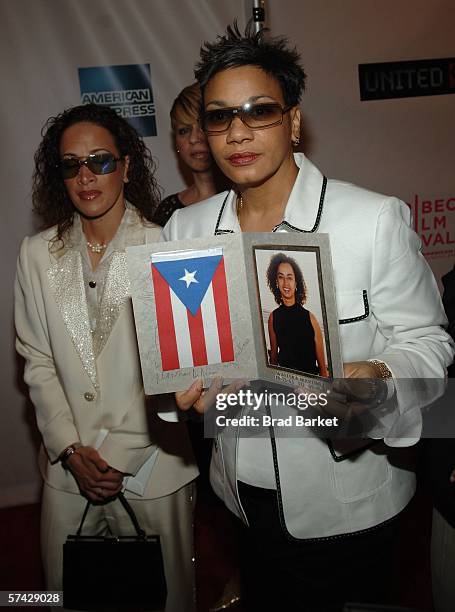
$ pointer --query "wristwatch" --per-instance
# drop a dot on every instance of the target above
(385, 375)
(69, 450)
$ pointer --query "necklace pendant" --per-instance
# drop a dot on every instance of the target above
(239, 206)
(97, 248)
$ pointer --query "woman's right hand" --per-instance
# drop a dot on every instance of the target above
(201, 400)
(195, 396)
(96, 479)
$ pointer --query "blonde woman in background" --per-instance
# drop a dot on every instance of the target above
(194, 153)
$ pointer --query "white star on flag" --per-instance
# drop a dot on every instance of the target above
(189, 278)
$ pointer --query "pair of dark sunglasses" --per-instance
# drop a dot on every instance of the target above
(254, 116)
(98, 163)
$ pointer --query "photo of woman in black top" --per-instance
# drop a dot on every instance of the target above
(295, 335)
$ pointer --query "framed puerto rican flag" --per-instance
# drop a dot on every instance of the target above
(202, 309)
(192, 309)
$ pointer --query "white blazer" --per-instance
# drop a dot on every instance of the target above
(78, 397)
(389, 308)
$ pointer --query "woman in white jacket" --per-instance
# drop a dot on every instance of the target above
(95, 193)
(321, 526)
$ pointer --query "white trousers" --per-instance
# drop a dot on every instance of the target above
(170, 517)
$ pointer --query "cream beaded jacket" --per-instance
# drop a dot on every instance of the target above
(87, 395)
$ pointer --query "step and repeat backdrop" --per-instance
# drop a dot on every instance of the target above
(378, 111)
(379, 105)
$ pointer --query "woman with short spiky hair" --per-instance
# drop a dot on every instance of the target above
(322, 517)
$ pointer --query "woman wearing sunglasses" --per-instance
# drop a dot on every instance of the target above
(321, 526)
(94, 192)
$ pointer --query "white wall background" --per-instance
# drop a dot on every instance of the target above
(403, 147)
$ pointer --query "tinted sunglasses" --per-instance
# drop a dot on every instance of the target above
(98, 163)
(254, 116)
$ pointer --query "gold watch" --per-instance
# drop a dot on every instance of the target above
(382, 368)
(69, 450)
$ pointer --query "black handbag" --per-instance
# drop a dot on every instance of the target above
(102, 572)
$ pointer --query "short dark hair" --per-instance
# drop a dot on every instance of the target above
(272, 271)
(50, 199)
(272, 55)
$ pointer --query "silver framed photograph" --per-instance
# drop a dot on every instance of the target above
(250, 306)
(292, 307)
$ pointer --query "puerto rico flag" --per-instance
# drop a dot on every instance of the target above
(192, 308)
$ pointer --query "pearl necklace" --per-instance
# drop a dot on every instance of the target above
(97, 248)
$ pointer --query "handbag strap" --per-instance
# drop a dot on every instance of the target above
(139, 531)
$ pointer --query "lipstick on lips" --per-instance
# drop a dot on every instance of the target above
(243, 159)
(88, 196)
